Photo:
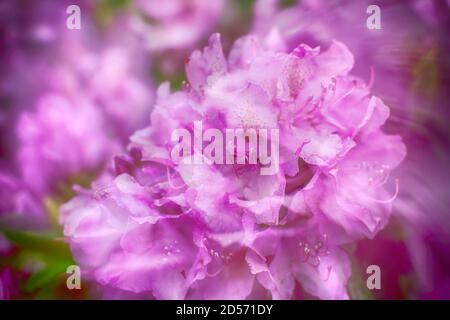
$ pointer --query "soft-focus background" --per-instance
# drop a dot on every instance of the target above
(70, 99)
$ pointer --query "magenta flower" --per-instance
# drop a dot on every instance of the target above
(19, 206)
(89, 97)
(210, 230)
(62, 138)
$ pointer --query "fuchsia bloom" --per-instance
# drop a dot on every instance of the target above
(90, 95)
(9, 288)
(19, 206)
(200, 231)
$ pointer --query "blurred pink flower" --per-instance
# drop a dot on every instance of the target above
(176, 24)
(9, 289)
(19, 206)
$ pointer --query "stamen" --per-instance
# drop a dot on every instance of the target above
(391, 198)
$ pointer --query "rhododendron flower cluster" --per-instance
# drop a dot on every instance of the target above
(224, 231)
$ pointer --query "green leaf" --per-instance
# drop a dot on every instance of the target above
(46, 252)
